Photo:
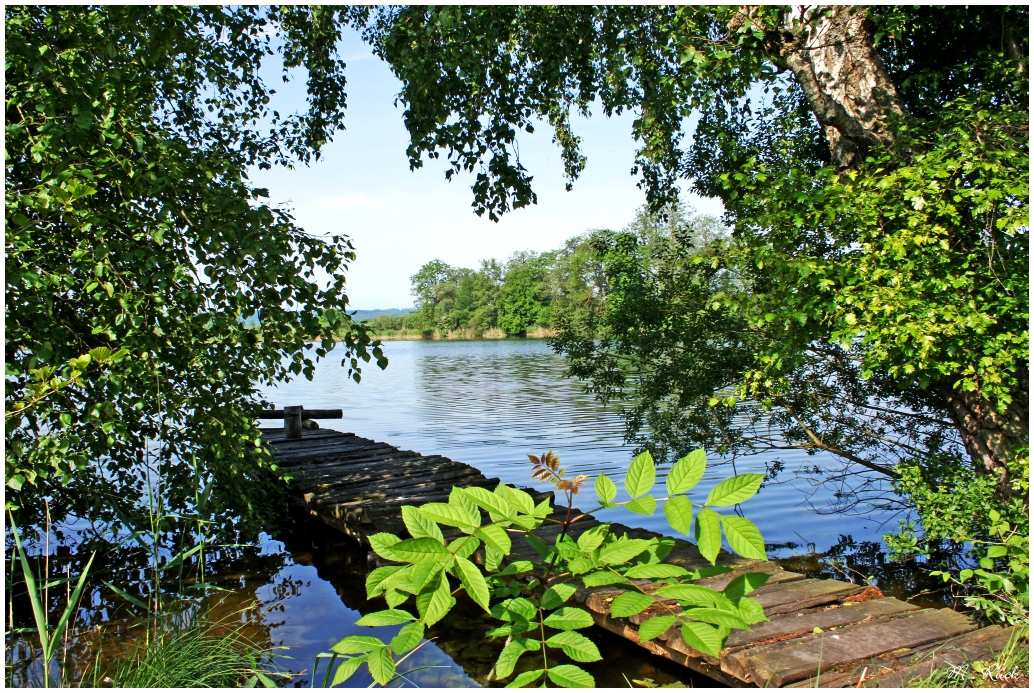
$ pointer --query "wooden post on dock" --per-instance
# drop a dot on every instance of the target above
(292, 422)
(296, 418)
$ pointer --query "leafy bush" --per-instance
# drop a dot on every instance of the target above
(531, 599)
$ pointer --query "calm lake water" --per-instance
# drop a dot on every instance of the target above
(488, 403)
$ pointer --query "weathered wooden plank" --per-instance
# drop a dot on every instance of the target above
(793, 660)
(798, 624)
(984, 644)
(358, 479)
(277, 439)
(797, 595)
(402, 487)
(319, 455)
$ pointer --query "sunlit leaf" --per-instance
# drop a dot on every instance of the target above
(743, 537)
(641, 475)
(679, 512)
(658, 625)
(630, 603)
(576, 646)
(709, 534)
(735, 490)
(687, 472)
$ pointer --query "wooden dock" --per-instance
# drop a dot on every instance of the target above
(821, 632)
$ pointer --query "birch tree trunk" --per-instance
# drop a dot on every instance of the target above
(831, 52)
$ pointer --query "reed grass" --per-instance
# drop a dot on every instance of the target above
(193, 654)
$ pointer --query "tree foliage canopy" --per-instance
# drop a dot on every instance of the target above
(133, 233)
(873, 163)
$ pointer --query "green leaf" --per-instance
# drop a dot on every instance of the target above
(569, 618)
(735, 490)
(679, 512)
(543, 549)
(422, 550)
(641, 476)
(382, 667)
(630, 603)
(422, 574)
(408, 637)
(526, 678)
(718, 617)
(462, 547)
(997, 551)
(604, 577)
(473, 582)
(495, 537)
(686, 473)
(557, 594)
(381, 542)
(491, 502)
(453, 515)
(643, 506)
(656, 570)
(518, 607)
(570, 676)
(346, 669)
(702, 637)
(591, 539)
(493, 559)
(751, 611)
(658, 625)
(522, 500)
(388, 617)
(517, 567)
(622, 551)
(507, 659)
(128, 597)
(743, 537)
(437, 600)
(606, 491)
(745, 584)
(357, 644)
(582, 565)
(375, 581)
(576, 646)
(420, 526)
(692, 594)
(459, 499)
(709, 534)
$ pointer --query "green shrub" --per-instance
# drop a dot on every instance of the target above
(530, 598)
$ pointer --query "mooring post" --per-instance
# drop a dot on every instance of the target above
(292, 422)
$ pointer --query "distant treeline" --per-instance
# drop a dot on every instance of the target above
(530, 292)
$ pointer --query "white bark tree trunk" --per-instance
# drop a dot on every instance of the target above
(831, 52)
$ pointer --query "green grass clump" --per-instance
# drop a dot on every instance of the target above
(193, 656)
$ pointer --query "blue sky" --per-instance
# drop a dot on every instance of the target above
(399, 219)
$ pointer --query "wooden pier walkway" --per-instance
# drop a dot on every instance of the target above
(821, 632)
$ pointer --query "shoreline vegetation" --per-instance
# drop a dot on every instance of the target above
(429, 334)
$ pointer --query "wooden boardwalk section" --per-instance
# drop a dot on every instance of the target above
(821, 632)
